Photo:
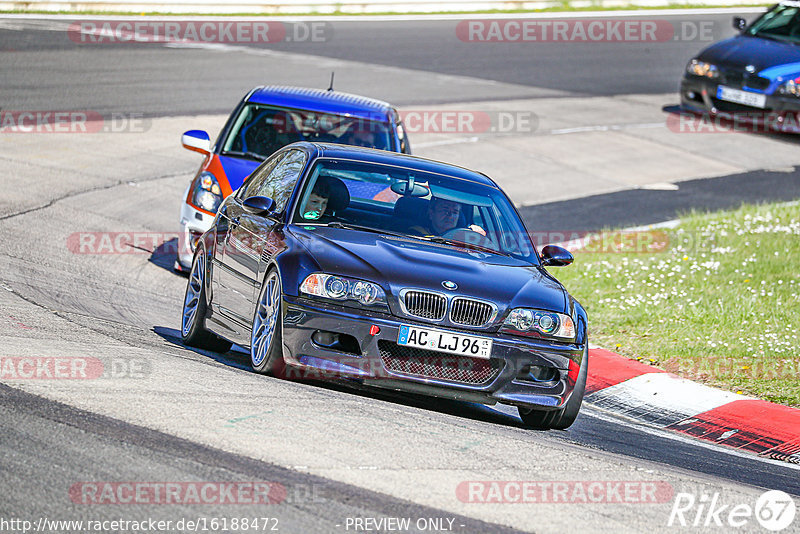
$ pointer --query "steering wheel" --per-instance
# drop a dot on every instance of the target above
(329, 218)
(470, 237)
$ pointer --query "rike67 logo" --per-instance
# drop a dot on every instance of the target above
(774, 510)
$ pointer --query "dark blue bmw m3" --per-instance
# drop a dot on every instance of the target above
(755, 75)
(390, 270)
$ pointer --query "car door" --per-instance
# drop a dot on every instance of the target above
(247, 236)
(223, 286)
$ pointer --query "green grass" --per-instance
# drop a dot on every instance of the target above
(716, 299)
(563, 7)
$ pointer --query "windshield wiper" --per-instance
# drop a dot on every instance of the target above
(462, 244)
(351, 226)
(251, 155)
(431, 238)
(477, 247)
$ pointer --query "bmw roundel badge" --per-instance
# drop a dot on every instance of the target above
(447, 284)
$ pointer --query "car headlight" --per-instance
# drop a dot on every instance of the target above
(701, 68)
(790, 87)
(340, 288)
(539, 323)
(207, 193)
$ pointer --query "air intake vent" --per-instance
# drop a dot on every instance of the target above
(436, 365)
(757, 82)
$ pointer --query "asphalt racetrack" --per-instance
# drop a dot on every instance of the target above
(601, 151)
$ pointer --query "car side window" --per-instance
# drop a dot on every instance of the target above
(253, 182)
(279, 183)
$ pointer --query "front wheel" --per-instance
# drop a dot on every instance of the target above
(563, 418)
(193, 329)
(266, 355)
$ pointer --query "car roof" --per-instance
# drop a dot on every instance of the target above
(371, 155)
(320, 101)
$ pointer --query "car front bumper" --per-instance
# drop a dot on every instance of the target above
(373, 357)
(193, 224)
(780, 113)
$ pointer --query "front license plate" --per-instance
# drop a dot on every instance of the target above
(741, 97)
(440, 341)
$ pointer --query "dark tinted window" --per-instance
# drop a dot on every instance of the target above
(782, 23)
(409, 202)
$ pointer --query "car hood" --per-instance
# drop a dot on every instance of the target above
(397, 263)
(764, 54)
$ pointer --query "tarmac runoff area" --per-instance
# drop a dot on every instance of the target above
(543, 152)
(126, 307)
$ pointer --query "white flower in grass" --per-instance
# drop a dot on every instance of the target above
(721, 250)
(710, 265)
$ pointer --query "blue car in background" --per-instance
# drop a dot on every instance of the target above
(267, 119)
(754, 76)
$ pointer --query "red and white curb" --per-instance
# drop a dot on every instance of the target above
(663, 400)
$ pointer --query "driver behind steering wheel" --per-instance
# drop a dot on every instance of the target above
(443, 216)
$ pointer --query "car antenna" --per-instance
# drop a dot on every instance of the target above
(331, 86)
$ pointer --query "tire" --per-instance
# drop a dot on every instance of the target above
(563, 418)
(266, 337)
(193, 319)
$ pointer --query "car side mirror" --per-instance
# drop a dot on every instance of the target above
(739, 23)
(259, 205)
(197, 141)
(555, 256)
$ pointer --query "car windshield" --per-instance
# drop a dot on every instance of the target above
(260, 130)
(410, 203)
(781, 23)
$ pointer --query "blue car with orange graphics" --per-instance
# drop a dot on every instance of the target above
(753, 77)
(266, 119)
